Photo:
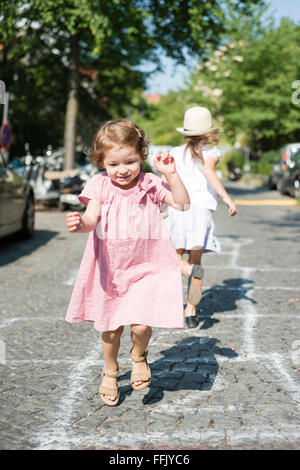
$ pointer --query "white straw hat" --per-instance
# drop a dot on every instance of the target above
(197, 121)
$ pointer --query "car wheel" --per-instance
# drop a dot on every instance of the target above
(271, 184)
(28, 219)
(280, 187)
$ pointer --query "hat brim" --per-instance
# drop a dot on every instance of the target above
(182, 131)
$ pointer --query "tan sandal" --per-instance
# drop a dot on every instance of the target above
(110, 391)
(145, 377)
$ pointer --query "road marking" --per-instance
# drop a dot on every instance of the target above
(126, 362)
(249, 311)
(223, 437)
(61, 432)
(252, 269)
(72, 278)
(251, 316)
(265, 202)
(59, 422)
(275, 361)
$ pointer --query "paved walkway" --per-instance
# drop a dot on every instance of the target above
(231, 383)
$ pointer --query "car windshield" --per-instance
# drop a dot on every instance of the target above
(296, 156)
(294, 150)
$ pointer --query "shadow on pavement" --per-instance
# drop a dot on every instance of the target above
(189, 365)
(288, 220)
(237, 191)
(12, 248)
(223, 298)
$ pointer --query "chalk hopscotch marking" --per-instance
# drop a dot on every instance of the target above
(251, 316)
(57, 431)
(274, 362)
(72, 278)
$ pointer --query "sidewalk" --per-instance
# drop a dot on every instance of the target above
(233, 382)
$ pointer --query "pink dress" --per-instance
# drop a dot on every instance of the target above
(130, 272)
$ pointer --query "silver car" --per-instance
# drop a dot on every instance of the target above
(278, 171)
(16, 203)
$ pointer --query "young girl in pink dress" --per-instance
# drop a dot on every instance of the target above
(130, 273)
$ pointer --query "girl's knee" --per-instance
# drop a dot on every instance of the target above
(113, 335)
(141, 330)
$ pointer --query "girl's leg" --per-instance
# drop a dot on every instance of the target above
(110, 346)
(185, 265)
(194, 258)
(140, 335)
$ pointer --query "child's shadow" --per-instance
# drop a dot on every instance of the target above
(223, 298)
(189, 365)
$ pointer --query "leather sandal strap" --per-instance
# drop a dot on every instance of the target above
(143, 377)
(110, 373)
(141, 358)
(111, 391)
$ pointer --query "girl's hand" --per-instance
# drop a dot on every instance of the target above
(232, 210)
(73, 221)
(165, 164)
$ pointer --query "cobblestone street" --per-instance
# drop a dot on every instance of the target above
(233, 382)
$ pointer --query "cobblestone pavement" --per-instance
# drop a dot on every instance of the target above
(233, 382)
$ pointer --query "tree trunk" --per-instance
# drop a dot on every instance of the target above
(72, 106)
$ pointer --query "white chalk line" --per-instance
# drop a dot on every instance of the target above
(244, 357)
(72, 278)
(252, 269)
(274, 362)
(6, 322)
(249, 310)
(221, 436)
(57, 432)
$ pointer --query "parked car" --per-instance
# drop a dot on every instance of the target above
(16, 203)
(287, 154)
(290, 182)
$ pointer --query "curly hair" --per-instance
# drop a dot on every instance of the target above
(119, 132)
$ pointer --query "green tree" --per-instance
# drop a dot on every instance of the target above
(247, 82)
(112, 37)
(34, 77)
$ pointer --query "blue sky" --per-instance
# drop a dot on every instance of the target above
(174, 77)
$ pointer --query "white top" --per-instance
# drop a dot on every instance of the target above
(191, 173)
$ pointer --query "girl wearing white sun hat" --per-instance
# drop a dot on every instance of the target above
(193, 231)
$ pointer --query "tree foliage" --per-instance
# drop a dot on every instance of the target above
(246, 82)
(93, 48)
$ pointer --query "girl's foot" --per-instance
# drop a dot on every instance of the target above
(190, 316)
(138, 369)
(109, 390)
(141, 373)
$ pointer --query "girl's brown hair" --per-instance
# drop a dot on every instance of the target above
(195, 144)
(120, 132)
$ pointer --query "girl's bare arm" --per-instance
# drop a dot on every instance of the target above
(215, 183)
(178, 197)
(85, 223)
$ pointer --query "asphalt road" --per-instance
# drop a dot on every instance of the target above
(233, 382)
